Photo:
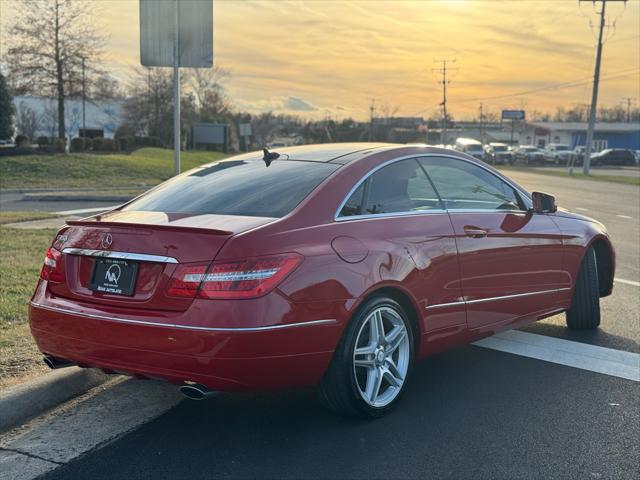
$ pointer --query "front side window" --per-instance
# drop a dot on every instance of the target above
(401, 187)
(465, 186)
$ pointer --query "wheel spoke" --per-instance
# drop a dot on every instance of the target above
(395, 338)
(374, 381)
(376, 326)
(364, 362)
(392, 374)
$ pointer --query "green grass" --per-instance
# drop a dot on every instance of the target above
(148, 166)
(21, 255)
(13, 217)
(626, 180)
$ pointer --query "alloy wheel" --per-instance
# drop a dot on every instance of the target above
(381, 356)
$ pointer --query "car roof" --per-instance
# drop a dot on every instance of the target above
(325, 153)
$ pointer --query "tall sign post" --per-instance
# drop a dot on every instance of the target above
(177, 34)
(513, 115)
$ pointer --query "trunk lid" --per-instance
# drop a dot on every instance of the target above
(160, 241)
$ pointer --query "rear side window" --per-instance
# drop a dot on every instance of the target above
(247, 188)
(401, 187)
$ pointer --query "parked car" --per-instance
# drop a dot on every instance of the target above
(529, 154)
(613, 156)
(335, 266)
(471, 147)
(498, 154)
(558, 153)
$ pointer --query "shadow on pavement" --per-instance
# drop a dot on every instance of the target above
(469, 413)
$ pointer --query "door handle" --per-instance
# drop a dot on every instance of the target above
(474, 232)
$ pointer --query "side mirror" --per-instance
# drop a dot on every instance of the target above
(543, 203)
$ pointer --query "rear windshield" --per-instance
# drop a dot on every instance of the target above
(237, 187)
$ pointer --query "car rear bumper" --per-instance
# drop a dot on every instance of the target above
(226, 359)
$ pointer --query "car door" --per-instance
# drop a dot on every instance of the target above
(510, 258)
(396, 213)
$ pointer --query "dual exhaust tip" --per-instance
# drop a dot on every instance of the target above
(55, 363)
(194, 391)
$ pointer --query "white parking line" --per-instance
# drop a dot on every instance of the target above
(582, 209)
(627, 282)
(86, 210)
(624, 216)
(607, 361)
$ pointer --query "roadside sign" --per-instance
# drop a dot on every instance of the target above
(512, 114)
(195, 33)
(245, 129)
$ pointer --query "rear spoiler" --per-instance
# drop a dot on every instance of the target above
(175, 228)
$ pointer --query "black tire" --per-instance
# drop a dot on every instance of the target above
(584, 313)
(338, 390)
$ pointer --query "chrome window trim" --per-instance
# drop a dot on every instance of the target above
(526, 197)
(184, 327)
(410, 213)
(491, 299)
(142, 257)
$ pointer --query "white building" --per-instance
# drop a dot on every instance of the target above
(606, 135)
(38, 116)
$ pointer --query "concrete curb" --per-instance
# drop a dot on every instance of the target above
(25, 401)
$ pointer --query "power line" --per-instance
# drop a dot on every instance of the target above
(572, 83)
(444, 82)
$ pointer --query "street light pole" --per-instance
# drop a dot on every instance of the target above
(176, 91)
(84, 97)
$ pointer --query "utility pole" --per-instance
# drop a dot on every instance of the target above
(596, 80)
(482, 123)
(176, 90)
(84, 99)
(372, 110)
(629, 101)
(444, 82)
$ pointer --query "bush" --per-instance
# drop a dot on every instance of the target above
(42, 141)
(22, 141)
(81, 144)
(58, 145)
(148, 142)
(127, 143)
(105, 145)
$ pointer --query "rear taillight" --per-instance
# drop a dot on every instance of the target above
(249, 278)
(52, 268)
(186, 280)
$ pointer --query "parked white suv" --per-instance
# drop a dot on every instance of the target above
(558, 153)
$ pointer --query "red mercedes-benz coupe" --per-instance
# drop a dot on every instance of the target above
(334, 266)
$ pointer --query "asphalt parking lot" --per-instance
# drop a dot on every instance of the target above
(473, 412)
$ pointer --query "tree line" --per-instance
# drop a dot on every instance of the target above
(54, 50)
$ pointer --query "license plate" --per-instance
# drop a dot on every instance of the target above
(114, 276)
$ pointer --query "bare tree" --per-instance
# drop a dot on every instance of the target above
(27, 121)
(105, 87)
(208, 90)
(46, 46)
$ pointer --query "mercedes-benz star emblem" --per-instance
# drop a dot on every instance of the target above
(107, 240)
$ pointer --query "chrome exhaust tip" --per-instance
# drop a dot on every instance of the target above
(196, 391)
(54, 363)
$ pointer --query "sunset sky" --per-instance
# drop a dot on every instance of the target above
(320, 58)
